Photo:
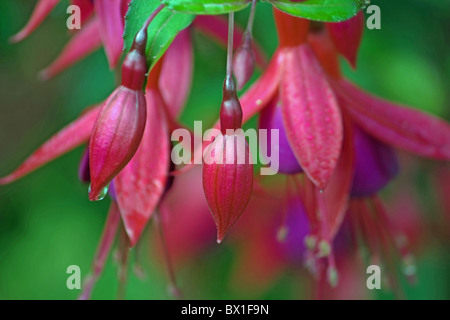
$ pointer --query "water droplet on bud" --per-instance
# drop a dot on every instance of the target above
(102, 194)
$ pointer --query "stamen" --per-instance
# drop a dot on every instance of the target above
(396, 239)
(283, 229)
(332, 273)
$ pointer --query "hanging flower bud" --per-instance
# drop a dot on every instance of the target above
(228, 171)
(375, 164)
(121, 121)
(244, 61)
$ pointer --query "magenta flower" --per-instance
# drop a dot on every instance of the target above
(337, 149)
(318, 109)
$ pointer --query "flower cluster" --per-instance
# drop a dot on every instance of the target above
(337, 147)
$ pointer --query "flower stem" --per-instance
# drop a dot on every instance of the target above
(230, 46)
(153, 15)
(251, 18)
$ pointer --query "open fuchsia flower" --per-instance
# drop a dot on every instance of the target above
(337, 144)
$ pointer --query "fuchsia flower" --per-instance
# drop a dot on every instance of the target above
(339, 136)
(301, 82)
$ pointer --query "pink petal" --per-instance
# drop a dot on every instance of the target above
(311, 115)
(82, 43)
(264, 89)
(111, 28)
(191, 229)
(41, 11)
(400, 126)
(75, 134)
(325, 52)
(104, 247)
(86, 9)
(140, 185)
(335, 198)
(176, 74)
(347, 36)
(216, 28)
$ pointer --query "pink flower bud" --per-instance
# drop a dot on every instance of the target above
(244, 62)
(121, 122)
(227, 180)
(116, 136)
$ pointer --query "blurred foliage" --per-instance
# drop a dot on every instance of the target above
(46, 220)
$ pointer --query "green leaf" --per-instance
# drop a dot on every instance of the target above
(162, 30)
(321, 10)
(207, 7)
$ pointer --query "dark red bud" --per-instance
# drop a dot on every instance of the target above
(134, 66)
(230, 111)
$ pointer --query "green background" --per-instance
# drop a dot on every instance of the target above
(46, 220)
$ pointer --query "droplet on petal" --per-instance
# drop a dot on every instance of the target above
(99, 196)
